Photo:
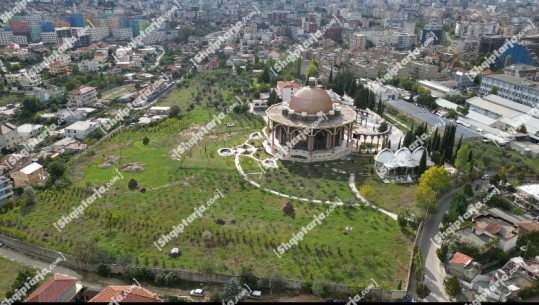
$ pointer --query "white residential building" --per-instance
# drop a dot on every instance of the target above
(29, 130)
(80, 129)
(26, 80)
(527, 197)
(82, 96)
(86, 66)
(357, 41)
(512, 88)
(154, 37)
(5, 37)
(122, 34)
(285, 89)
(20, 40)
(49, 38)
(9, 137)
(98, 33)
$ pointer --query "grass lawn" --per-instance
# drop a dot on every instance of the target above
(127, 223)
(392, 197)
(10, 270)
(10, 98)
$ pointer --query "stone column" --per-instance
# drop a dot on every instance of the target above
(272, 129)
(333, 143)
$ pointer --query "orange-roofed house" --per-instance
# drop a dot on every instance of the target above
(121, 294)
(285, 89)
(527, 226)
(463, 267)
(58, 288)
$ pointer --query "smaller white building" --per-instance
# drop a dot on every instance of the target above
(29, 130)
(9, 137)
(80, 130)
(86, 66)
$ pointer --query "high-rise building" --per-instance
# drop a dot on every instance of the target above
(19, 27)
(47, 26)
(35, 32)
(75, 20)
(5, 37)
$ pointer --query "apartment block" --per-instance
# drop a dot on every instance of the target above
(512, 88)
(82, 96)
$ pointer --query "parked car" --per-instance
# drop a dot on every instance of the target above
(197, 292)
(255, 294)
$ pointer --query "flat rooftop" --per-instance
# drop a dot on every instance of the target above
(515, 81)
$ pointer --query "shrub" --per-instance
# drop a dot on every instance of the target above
(171, 279)
(103, 270)
(133, 184)
(468, 190)
(219, 221)
(160, 279)
(288, 209)
(320, 288)
(145, 141)
(143, 190)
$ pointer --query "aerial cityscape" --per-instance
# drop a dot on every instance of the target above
(231, 151)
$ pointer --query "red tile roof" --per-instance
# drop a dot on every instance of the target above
(127, 294)
(52, 289)
(528, 225)
(461, 259)
(490, 227)
(81, 90)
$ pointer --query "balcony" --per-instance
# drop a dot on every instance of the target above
(6, 195)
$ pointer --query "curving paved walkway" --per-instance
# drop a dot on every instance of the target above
(240, 151)
(352, 185)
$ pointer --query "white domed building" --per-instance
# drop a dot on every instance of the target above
(403, 162)
(310, 127)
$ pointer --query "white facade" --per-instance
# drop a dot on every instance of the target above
(19, 39)
(357, 41)
(98, 33)
(29, 130)
(88, 66)
(154, 37)
(5, 37)
(28, 80)
(48, 37)
(82, 96)
(122, 34)
(80, 129)
(515, 89)
(9, 137)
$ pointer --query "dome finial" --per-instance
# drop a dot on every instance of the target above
(312, 81)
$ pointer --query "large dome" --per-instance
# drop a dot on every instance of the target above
(311, 100)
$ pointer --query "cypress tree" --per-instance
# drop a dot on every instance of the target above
(422, 163)
(458, 147)
(330, 75)
(470, 159)
(442, 159)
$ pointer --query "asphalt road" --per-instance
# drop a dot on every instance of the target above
(434, 269)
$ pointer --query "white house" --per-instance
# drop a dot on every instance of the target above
(29, 130)
(285, 89)
(86, 66)
(9, 137)
(80, 130)
(82, 96)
